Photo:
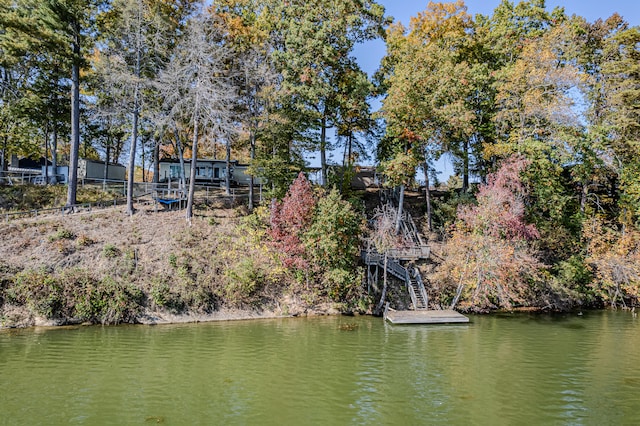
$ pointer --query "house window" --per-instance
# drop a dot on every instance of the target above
(174, 171)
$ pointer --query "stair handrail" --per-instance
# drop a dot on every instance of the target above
(396, 269)
(423, 291)
(414, 229)
(412, 294)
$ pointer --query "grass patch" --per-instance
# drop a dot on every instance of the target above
(62, 234)
(110, 251)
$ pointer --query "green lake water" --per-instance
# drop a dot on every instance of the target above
(506, 369)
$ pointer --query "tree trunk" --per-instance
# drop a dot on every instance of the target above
(227, 178)
(384, 286)
(400, 206)
(183, 174)
(143, 159)
(323, 153)
(132, 157)
(192, 175)
(252, 156)
(465, 166)
(106, 163)
(46, 154)
(3, 154)
(156, 160)
(134, 138)
(54, 151)
(427, 193)
(72, 189)
(583, 196)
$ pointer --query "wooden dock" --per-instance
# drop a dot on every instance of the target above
(425, 317)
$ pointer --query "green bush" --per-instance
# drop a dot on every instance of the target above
(343, 285)
(573, 281)
(110, 251)
(333, 239)
(107, 301)
(173, 260)
(76, 295)
(162, 297)
(242, 281)
(62, 234)
(39, 291)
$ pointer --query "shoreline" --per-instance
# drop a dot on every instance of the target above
(163, 318)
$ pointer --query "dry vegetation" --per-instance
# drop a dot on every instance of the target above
(107, 267)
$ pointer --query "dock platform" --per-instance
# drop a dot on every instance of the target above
(425, 317)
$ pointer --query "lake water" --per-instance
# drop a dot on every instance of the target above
(504, 369)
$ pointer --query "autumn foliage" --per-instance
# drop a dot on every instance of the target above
(290, 218)
(614, 259)
(489, 262)
(317, 235)
(500, 209)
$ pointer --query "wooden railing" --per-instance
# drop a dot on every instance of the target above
(64, 210)
(421, 288)
(410, 253)
(412, 294)
(141, 191)
(393, 267)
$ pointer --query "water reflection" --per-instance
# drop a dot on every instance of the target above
(525, 369)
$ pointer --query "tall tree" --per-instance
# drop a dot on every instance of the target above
(197, 87)
(621, 75)
(431, 85)
(248, 33)
(317, 40)
(138, 36)
(61, 28)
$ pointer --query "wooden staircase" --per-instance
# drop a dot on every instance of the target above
(413, 249)
(417, 291)
(411, 277)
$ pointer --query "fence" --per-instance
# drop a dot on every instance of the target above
(141, 191)
(21, 178)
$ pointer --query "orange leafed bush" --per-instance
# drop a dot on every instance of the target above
(489, 263)
(614, 259)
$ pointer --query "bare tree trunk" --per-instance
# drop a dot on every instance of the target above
(465, 167)
(384, 286)
(106, 163)
(399, 213)
(143, 159)
(46, 154)
(252, 156)
(3, 154)
(583, 196)
(156, 161)
(183, 174)
(132, 157)
(227, 178)
(134, 133)
(427, 193)
(72, 189)
(194, 158)
(54, 151)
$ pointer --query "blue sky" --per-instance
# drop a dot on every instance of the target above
(370, 53)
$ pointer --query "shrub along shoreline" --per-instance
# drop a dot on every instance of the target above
(109, 268)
